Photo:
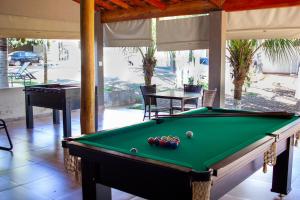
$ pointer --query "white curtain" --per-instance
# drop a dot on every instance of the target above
(26, 27)
(183, 34)
(264, 24)
(134, 33)
(49, 19)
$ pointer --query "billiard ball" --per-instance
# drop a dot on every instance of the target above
(173, 145)
(162, 143)
(151, 140)
(189, 134)
(133, 150)
(156, 141)
(168, 144)
(164, 138)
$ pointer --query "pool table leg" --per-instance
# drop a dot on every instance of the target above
(282, 171)
(91, 190)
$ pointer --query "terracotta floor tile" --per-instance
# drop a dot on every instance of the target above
(21, 193)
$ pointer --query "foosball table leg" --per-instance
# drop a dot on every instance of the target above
(67, 120)
(55, 116)
(29, 112)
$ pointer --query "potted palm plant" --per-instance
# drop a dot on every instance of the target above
(241, 54)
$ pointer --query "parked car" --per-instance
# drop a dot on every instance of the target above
(204, 61)
(20, 57)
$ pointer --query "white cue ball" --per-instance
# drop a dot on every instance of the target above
(189, 134)
(133, 150)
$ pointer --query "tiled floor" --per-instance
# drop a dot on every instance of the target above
(35, 168)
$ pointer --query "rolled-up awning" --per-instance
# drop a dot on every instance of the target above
(264, 24)
(134, 33)
(48, 19)
(183, 34)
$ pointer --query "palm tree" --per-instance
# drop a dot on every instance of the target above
(149, 62)
(3, 63)
(241, 54)
(172, 55)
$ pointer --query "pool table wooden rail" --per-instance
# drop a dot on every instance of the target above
(148, 178)
(238, 167)
(256, 148)
(136, 175)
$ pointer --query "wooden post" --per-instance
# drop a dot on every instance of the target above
(217, 45)
(87, 112)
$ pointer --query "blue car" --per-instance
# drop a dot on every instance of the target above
(204, 61)
(20, 57)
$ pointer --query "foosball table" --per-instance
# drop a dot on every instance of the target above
(57, 97)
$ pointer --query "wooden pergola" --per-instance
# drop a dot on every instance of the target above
(106, 11)
(122, 10)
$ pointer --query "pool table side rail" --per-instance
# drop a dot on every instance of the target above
(97, 153)
(251, 152)
(286, 131)
(242, 157)
(220, 168)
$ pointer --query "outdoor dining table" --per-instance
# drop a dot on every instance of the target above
(180, 95)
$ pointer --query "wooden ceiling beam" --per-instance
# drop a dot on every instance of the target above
(218, 3)
(120, 3)
(104, 5)
(156, 3)
(234, 5)
(97, 8)
(181, 8)
(137, 3)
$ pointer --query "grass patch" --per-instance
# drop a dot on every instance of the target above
(27, 82)
(253, 94)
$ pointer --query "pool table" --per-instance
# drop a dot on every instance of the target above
(222, 153)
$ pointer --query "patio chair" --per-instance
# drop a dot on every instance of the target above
(22, 73)
(208, 98)
(3, 126)
(190, 103)
(154, 108)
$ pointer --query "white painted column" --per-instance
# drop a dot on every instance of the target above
(297, 95)
(217, 47)
(103, 192)
(99, 59)
(3, 63)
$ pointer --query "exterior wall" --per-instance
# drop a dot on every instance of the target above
(283, 67)
(12, 104)
(121, 98)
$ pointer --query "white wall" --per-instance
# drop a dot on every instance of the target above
(279, 67)
(12, 104)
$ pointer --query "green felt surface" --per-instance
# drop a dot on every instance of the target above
(215, 138)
